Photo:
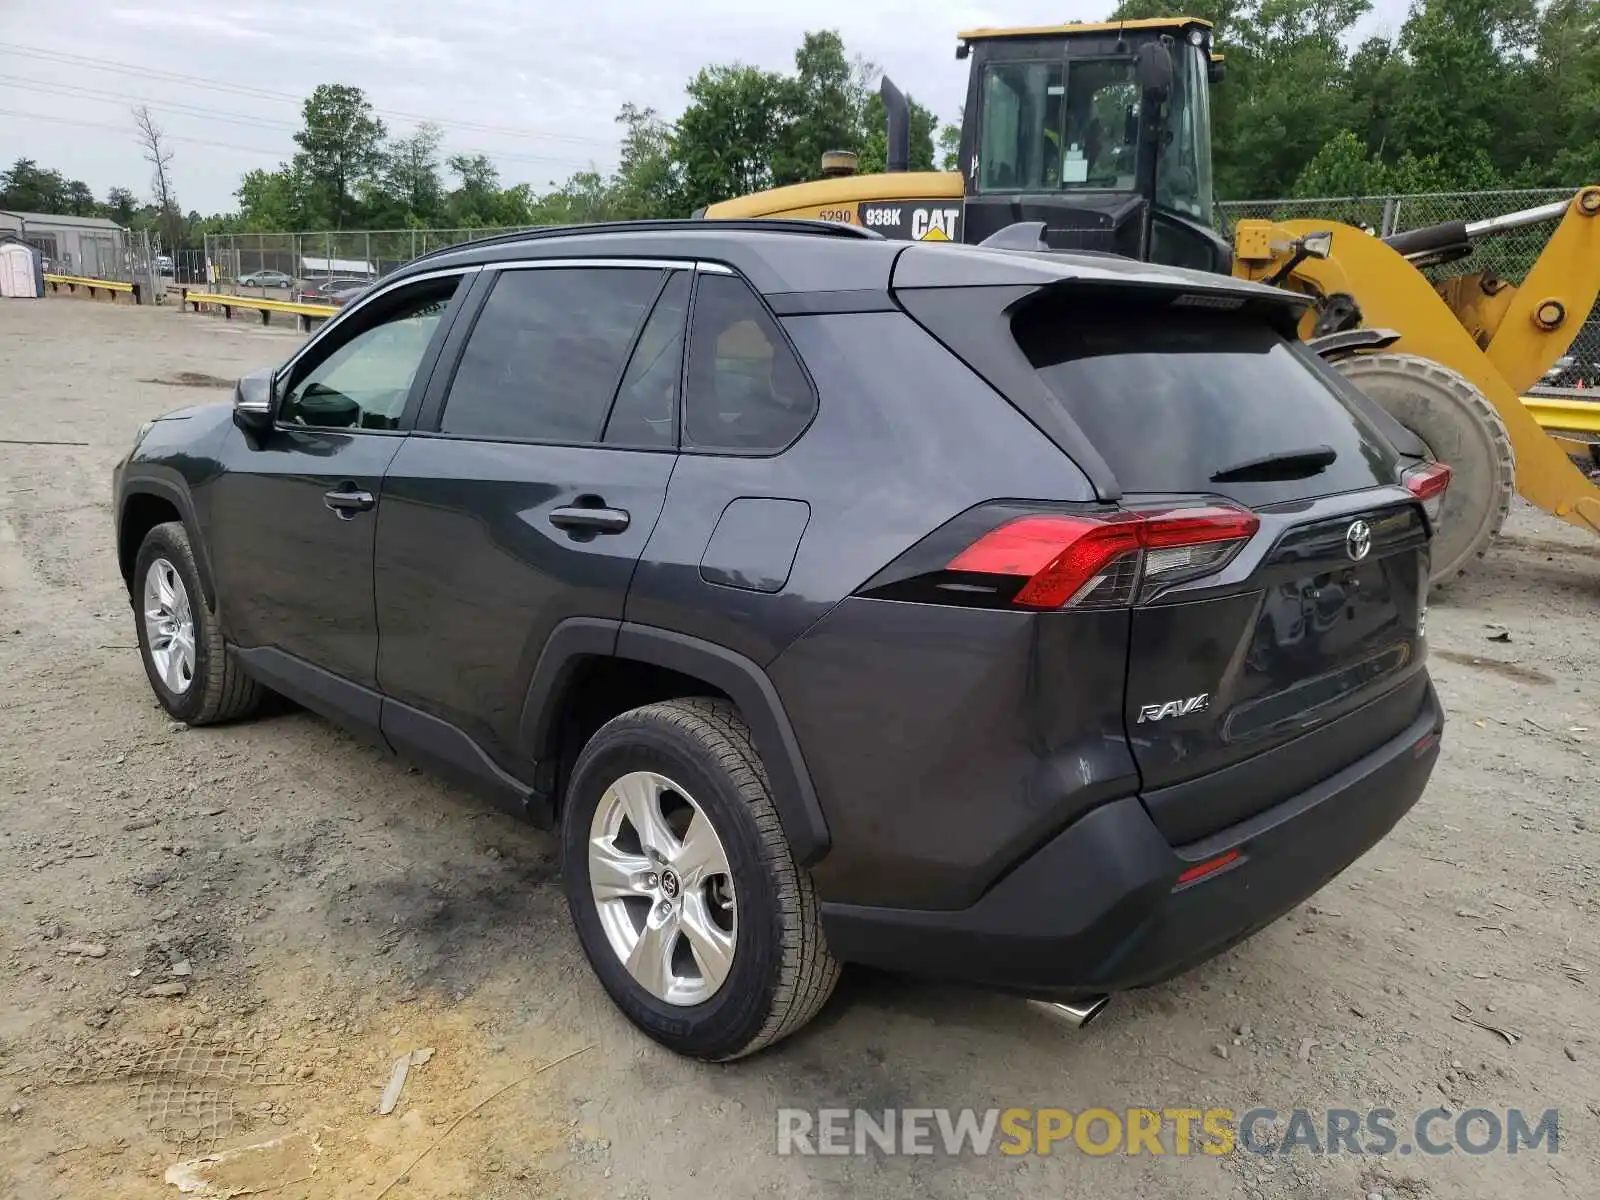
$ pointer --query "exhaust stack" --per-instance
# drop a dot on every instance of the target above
(1076, 1013)
(897, 157)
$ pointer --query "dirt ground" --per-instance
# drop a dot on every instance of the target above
(335, 910)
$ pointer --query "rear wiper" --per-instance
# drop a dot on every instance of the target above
(1285, 464)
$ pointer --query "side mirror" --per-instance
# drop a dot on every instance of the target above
(1153, 69)
(253, 401)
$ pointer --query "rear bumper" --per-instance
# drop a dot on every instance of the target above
(1097, 909)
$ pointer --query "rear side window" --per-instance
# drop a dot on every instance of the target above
(1185, 401)
(546, 353)
(747, 392)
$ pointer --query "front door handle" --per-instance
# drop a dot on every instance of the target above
(347, 501)
(589, 520)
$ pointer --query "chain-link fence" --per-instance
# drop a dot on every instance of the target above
(307, 262)
(1509, 254)
(316, 263)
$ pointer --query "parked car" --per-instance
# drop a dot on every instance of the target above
(1049, 623)
(164, 264)
(266, 279)
(1572, 371)
(328, 291)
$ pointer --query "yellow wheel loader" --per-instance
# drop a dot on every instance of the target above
(1097, 137)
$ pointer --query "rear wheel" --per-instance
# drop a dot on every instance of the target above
(686, 898)
(1461, 429)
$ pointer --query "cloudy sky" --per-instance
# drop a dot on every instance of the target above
(532, 83)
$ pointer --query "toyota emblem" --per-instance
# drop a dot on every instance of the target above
(1358, 540)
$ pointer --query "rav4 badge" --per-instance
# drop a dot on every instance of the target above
(1174, 708)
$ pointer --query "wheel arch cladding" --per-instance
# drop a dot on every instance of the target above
(151, 502)
(727, 672)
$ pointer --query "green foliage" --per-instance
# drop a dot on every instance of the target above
(1472, 94)
(731, 133)
(341, 149)
(1468, 94)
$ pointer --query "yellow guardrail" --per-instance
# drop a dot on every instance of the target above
(1557, 412)
(305, 313)
(73, 282)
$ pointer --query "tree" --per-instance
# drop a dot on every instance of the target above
(824, 104)
(120, 206)
(730, 133)
(341, 147)
(949, 146)
(410, 182)
(1341, 168)
(274, 200)
(648, 182)
(153, 141)
(26, 187)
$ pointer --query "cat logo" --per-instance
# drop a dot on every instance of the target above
(1174, 708)
(934, 224)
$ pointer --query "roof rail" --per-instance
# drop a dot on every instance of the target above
(675, 225)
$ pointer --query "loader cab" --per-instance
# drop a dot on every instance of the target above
(1103, 132)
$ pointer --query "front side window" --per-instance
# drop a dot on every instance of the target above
(1049, 126)
(747, 392)
(364, 382)
(547, 352)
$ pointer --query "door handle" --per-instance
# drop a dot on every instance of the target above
(574, 519)
(347, 501)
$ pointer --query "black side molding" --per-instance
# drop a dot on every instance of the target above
(747, 685)
(390, 725)
(844, 300)
(448, 752)
(358, 709)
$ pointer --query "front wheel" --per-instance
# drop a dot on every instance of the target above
(190, 669)
(1462, 430)
(686, 898)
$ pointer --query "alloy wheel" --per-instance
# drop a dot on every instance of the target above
(662, 888)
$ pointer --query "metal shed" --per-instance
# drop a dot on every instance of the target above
(91, 246)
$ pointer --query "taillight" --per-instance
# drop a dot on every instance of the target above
(1069, 560)
(1428, 482)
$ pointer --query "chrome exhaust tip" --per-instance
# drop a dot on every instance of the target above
(1076, 1013)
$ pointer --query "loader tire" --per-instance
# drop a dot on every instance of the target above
(1461, 429)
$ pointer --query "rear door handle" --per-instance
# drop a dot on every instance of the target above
(347, 502)
(589, 520)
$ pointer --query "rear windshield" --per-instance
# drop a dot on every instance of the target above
(1174, 398)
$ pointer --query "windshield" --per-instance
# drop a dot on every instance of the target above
(1183, 176)
(1054, 126)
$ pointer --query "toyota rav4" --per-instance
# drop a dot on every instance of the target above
(1044, 621)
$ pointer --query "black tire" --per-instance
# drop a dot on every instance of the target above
(220, 690)
(1462, 430)
(782, 972)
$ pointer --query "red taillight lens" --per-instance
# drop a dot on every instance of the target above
(1428, 482)
(1103, 561)
(1210, 867)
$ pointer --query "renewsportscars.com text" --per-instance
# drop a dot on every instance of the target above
(1164, 1131)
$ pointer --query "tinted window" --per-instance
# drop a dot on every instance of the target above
(364, 382)
(546, 353)
(1172, 399)
(645, 409)
(747, 393)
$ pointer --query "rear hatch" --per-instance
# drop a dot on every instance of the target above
(1285, 643)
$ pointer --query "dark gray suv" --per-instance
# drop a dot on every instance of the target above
(1049, 622)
